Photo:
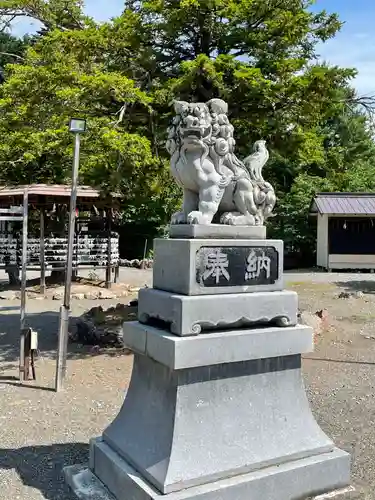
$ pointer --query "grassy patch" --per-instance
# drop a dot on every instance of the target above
(319, 287)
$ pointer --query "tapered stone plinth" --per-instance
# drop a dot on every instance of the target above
(216, 408)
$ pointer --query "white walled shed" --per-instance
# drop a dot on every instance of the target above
(345, 230)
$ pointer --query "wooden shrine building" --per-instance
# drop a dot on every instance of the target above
(47, 210)
(345, 230)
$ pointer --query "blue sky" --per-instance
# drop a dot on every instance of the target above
(354, 46)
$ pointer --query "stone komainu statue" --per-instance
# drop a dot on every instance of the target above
(217, 186)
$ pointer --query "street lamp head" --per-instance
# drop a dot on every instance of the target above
(77, 125)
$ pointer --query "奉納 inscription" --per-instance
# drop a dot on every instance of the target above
(258, 263)
(237, 266)
(216, 264)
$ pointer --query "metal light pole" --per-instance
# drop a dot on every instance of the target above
(76, 127)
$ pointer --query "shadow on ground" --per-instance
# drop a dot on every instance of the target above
(365, 286)
(52, 282)
(46, 324)
(40, 467)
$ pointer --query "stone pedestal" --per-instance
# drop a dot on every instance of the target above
(216, 408)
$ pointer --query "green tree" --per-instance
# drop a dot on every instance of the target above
(12, 50)
(59, 80)
(346, 165)
(63, 14)
(259, 55)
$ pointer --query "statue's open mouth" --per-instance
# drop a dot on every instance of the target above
(196, 133)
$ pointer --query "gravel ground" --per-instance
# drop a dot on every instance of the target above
(42, 431)
(340, 374)
(129, 275)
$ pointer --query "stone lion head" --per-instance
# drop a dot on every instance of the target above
(204, 124)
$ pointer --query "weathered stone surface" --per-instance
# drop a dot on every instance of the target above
(217, 231)
(294, 480)
(249, 415)
(85, 485)
(348, 493)
(103, 328)
(202, 267)
(85, 331)
(192, 315)
(222, 415)
(218, 347)
(222, 187)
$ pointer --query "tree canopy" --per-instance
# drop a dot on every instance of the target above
(122, 75)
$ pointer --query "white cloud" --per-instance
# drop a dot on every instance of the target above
(353, 49)
(101, 11)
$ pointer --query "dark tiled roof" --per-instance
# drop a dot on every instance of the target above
(344, 203)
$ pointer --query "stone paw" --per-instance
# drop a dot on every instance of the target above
(178, 218)
(228, 218)
(237, 219)
(197, 217)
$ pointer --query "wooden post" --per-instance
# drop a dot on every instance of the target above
(42, 258)
(26, 355)
(27, 358)
(22, 373)
(144, 255)
(108, 274)
(117, 273)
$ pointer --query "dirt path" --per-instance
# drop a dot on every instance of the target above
(340, 375)
(42, 431)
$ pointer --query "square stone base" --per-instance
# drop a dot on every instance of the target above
(210, 266)
(348, 493)
(217, 231)
(191, 315)
(114, 479)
